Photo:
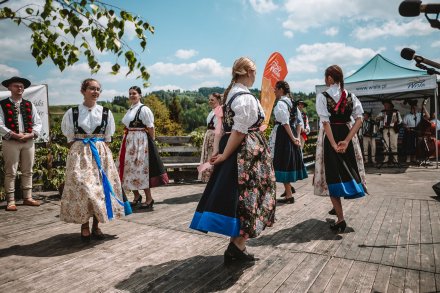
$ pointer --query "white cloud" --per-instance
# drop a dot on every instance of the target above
(263, 6)
(305, 86)
(332, 31)
(15, 45)
(399, 48)
(186, 54)
(315, 57)
(303, 15)
(288, 34)
(418, 27)
(207, 83)
(7, 71)
(200, 69)
(435, 44)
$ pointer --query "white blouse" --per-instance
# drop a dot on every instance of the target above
(209, 117)
(146, 116)
(335, 92)
(281, 112)
(245, 108)
(88, 120)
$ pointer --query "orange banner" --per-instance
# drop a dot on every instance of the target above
(275, 70)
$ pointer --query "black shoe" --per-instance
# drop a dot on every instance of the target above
(339, 227)
(137, 202)
(233, 253)
(286, 200)
(284, 193)
(148, 206)
(332, 212)
(97, 234)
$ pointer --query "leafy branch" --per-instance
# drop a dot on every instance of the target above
(65, 30)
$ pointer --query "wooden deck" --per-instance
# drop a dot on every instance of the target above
(393, 245)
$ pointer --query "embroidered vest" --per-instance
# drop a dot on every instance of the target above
(136, 122)
(11, 115)
(228, 114)
(339, 116)
(98, 130)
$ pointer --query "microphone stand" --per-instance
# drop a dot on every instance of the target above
(429, 70)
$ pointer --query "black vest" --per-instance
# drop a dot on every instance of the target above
(292, 112)
(228, 114)
(339, 116)
(11, 115)
(136, 122)
(98, 130)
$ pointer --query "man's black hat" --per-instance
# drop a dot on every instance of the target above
(26, 83)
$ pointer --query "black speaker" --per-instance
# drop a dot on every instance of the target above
(436, 188)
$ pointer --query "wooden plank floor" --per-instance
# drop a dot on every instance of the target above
(392, 244)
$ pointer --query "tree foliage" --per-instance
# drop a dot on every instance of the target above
(162, 122)
(65, 30)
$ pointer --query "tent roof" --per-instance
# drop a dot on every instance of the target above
(380, 68)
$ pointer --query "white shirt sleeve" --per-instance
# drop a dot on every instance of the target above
(147, 117)
(37, 126)
(321, 108)
(358, 111)
(299, 118)
(281, 112)
(245, 108)
(67, 126)
(110, 129)
(4, 131)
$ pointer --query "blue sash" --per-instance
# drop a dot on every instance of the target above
(108, 190)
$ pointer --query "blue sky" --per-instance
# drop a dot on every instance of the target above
(196, 42)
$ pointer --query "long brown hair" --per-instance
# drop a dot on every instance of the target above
(282, 84)
(86, 83)
(336, 73)
(241, 67)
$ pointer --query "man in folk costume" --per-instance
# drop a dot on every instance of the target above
(20, 124)
(411, 122)
(389, 121)
(306, 129)
(368, 134)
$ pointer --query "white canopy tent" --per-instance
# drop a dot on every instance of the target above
(381, 79)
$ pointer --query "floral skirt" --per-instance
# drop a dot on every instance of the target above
(83, 194)
(139, 164)
(207, 149)
(239, 199)
(287, 157)
(339, 175)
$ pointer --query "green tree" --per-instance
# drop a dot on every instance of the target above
(162, 122)
(65, 30)
(176, 110)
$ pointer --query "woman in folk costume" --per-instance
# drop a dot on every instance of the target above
(92, 186)
(285, 144)
(339, 169)
(239, 199)
(140, 166)
(209, 147)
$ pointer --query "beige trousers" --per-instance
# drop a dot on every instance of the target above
(16, 153)
(391, 142)
(369, 141)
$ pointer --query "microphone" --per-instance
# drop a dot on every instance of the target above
(409, 54)
(412, 8)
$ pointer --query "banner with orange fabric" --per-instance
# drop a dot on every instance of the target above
(275, 70)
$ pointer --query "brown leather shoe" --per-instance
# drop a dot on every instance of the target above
(31, 202)
(11, 207)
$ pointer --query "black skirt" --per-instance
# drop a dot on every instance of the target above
(158, 174)
(217, 209)
(341, 171)
(288, 159)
